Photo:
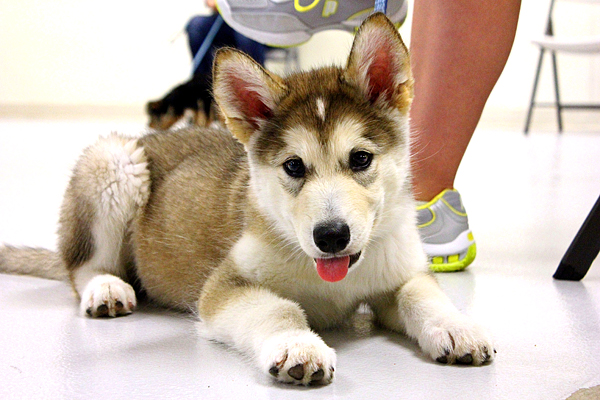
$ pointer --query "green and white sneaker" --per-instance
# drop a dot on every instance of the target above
(285, 23)
(444, 229)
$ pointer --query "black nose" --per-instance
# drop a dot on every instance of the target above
(332, 237)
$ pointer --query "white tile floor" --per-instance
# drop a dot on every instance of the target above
(526, 198)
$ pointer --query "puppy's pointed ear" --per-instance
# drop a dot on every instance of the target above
(379, 64)
(245, 92)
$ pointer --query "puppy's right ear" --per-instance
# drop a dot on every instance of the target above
(245, 92)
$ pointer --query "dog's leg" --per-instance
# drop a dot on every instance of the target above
(109, 185)
(421, 310)
(272, 330)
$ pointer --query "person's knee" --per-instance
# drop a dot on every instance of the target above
(199, 25)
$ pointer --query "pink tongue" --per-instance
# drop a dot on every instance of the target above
(333, 269)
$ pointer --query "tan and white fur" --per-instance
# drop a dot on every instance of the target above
(303, 218)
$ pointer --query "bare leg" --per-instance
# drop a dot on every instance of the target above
(459, 49)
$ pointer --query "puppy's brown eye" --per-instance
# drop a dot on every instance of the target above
(360, 160)
(294, 168)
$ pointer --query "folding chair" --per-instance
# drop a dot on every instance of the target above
(553, 44)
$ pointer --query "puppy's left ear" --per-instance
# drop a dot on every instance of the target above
(379, 64)
(245, 92)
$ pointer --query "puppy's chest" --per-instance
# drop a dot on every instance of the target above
(295, 277)
(325, 305)
(325, 302)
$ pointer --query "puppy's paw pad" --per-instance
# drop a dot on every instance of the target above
(457, 340)
(107, 296)
(301, 358)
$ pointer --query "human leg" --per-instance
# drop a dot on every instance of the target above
(458, 49)
(197, 30)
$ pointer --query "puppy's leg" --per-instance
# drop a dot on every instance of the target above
(272, 330)
(109, 185)
(425, 313)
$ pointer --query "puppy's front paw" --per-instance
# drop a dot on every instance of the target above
(299, 357)
(457, 339)
(107, 296)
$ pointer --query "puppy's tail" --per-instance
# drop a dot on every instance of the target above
(32, 261)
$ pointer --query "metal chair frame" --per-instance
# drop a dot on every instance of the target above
(560, 106)
(583, 250)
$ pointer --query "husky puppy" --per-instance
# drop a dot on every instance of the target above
(303, 218)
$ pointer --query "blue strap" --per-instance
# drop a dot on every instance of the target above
(380, 6)
(208, 40)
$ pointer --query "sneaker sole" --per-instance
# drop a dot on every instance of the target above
(303, 33)
(457, 246)
(447, 264)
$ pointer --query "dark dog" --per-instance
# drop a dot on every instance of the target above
(193, 96)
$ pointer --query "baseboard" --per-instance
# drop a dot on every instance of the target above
(493, 118)
(73, 111)
(543, 120)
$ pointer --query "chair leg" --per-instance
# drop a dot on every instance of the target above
(583, 250)
(533, 92)
(557, 93)
(292, 64)
(287, 61)
(296, 60)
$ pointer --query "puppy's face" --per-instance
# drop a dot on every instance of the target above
(327, 147)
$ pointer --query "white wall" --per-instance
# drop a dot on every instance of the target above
(91, 52)
(579, 75)
(120, 52)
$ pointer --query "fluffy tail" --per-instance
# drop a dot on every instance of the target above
(32, 261)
